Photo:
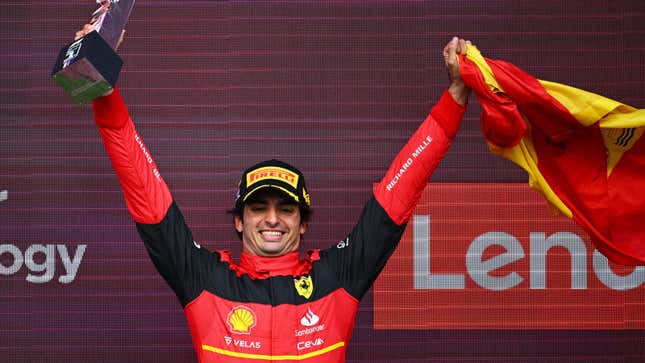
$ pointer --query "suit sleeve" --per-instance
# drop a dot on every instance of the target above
(145, 191)
(169, 241)
(359, 259)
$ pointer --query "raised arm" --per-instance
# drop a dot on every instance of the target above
(359, 259)
(401, 188)
(169, 241)
(146, 193)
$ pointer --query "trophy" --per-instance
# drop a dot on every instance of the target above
(89, 67)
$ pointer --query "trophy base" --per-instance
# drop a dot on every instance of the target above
(83, 83)
(87, 68)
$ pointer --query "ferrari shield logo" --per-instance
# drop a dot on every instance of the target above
(304, 286)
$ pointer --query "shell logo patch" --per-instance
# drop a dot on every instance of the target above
(241, 320)
(304, 286)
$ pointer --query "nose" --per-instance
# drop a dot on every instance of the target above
(271, 217)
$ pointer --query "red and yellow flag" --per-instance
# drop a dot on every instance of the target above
(583, 152)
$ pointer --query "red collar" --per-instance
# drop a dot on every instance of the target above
(265, 267)
(269, 266)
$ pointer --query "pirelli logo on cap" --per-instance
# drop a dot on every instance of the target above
(272, 172)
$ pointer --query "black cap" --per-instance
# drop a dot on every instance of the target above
(273, 174)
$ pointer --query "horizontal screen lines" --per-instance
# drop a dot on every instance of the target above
(366, 84)
(18, 106)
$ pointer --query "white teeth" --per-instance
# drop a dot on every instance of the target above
(272, 233)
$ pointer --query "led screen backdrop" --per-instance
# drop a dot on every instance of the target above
(334, 88)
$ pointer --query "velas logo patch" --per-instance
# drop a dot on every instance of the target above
(241, 320)
(272, 173)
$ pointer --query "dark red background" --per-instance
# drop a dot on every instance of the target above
(334, 88)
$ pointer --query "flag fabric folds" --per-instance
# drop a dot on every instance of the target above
(583, 152)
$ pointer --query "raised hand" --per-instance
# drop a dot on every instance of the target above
(458, 88)
(87, 28)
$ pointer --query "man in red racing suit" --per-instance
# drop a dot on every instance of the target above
(273, 306)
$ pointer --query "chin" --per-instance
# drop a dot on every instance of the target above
(271, 252)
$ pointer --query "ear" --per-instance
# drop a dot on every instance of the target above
(239, 224)
(303, 228)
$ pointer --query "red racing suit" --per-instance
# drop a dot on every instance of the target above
(272, 309)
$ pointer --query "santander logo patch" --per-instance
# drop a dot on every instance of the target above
(310, 319)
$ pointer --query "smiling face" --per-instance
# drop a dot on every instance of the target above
(270, 224)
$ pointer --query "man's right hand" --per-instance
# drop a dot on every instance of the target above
(87, 28)
(458, 89)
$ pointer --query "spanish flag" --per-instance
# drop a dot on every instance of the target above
(583, 152)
